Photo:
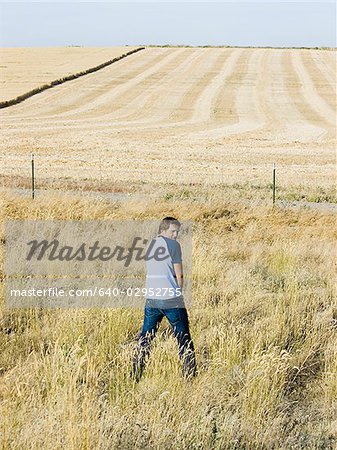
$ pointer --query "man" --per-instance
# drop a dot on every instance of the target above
(164, 283)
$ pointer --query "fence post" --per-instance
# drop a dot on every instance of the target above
(274, 183)
(33, 177)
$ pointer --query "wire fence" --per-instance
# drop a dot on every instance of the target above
(120, 180)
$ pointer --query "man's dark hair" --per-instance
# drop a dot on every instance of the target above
(166, 222)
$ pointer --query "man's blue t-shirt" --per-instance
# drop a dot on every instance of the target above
(161, 281)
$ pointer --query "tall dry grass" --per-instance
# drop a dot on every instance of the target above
(263, 321)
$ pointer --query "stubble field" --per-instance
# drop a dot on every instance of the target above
(184, 115)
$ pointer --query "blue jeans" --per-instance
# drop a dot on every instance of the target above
(178, 319)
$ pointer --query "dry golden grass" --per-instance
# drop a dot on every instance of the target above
(263, 321)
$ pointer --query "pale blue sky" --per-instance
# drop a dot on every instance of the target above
(282, 24)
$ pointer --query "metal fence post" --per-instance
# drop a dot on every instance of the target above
(33, 177)
(274, 183)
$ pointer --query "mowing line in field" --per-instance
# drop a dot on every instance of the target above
(328, 72)
(320, 80)
(310, 92)
(301, 101)
(111, 98)
(139, 103)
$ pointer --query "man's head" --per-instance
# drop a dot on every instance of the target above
(169, 227)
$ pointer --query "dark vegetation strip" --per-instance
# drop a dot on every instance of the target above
(39, 89)
(241, 46)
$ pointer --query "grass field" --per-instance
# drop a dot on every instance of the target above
(263, 321)
(189, 132)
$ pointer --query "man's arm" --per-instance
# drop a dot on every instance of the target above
(178, 269)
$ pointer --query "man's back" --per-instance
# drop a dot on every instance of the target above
(161, 280)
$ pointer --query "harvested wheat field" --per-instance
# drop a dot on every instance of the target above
(192, 133)
(186, 115)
